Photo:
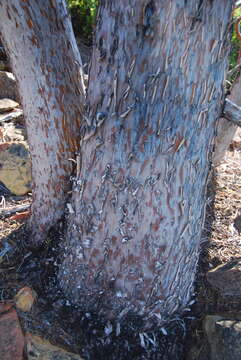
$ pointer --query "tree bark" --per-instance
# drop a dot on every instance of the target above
(155, 92)
(39, 38)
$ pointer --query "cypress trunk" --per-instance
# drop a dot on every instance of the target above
(155, 92)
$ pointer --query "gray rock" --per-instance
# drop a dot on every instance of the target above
(7, 105)
(224, 336)
(226, 278)
(8, 87)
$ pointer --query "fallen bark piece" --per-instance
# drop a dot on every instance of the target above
(232, 112)
(7, 105)
(41, 349)
(22, 216)
(11, 336)
(25, 299)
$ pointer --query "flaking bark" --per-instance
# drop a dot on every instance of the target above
(155, 92)
(39, 38)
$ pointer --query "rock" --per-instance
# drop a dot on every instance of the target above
(236, 142)
(11, 336)
(224, 336)
(40, 349)
(16, 115)
(25, 298)
(15, 167)
(7, 105)
(227, 278)
(8, 87)
(237, 223)
(11, 132)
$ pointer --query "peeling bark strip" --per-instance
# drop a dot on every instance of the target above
(232, 112)
(39, 38)
(139, 200)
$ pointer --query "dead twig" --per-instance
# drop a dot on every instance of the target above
(6, 212)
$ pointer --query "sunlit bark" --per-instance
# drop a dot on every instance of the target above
(39, 38)
(155, 92)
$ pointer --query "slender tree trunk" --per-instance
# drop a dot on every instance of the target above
(155, 92)
(39, 38)
(225, 129)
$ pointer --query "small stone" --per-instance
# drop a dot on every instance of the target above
(7, 105)
(11, 336)
(25, 298)
(237, 223)
(41, 349)
(236, 142)
(223, 333)
(15, 167)
(8, 87)
(226, 278)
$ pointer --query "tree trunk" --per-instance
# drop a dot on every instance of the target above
(155, 92)
(39, 38)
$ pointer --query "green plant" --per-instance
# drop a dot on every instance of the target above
(83, 13)
(234, 56)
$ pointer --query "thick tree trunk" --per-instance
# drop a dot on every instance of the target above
(155, 92)
(39, 38)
